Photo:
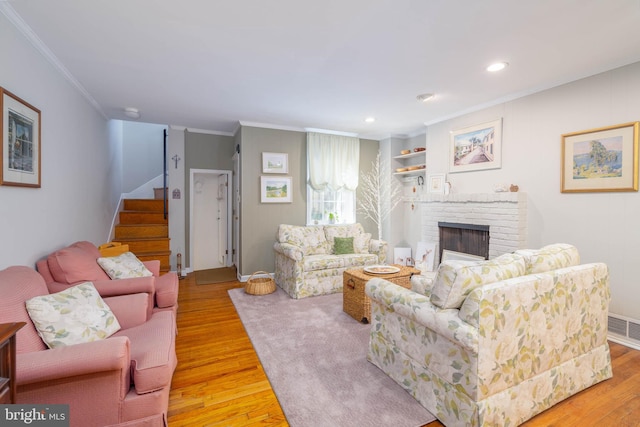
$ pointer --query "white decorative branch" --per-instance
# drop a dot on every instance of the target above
(379, 195)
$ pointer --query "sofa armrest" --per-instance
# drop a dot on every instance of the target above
(418, 308)
(130, 310)
(379, 248)
(111, 354)
(290, 251)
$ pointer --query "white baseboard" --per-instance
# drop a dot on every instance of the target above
(244, 278)
(624, 341)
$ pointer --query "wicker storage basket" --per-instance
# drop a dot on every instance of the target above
(112, 249)
(354, 300)
(260, 285)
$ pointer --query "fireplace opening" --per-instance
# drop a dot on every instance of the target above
(466, 238)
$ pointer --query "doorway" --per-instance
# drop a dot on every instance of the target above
(210, 233)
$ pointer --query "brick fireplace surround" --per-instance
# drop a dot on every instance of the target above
(504, 213)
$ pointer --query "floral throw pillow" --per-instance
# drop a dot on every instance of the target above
(124, 266)
(73, 316)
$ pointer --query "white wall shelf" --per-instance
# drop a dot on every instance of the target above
(407, 156)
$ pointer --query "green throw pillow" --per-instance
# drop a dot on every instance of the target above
(343, 245)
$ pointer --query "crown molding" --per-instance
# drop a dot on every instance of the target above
(17, 21)
(270, 126)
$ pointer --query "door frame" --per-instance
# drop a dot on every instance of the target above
(229, 244)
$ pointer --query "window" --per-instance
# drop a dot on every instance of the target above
(330, 206)
(332, 172)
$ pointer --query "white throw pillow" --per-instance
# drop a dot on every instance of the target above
(73, 316)
(124, 266)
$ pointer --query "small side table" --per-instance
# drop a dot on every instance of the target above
(8, 361)
(354, 300)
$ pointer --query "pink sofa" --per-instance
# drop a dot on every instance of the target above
(122, 380)
(77, 263)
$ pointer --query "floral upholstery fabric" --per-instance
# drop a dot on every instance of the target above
(301, 272)
(515, 348)
(549, 258)
(456, 279)
(311, 239)
(124, 266)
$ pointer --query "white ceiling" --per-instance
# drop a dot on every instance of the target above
(209, 64)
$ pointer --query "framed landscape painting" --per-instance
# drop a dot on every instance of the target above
(476, 147)
(600, 160)
(275, 189)
(20, 149)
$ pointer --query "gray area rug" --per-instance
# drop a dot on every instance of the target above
(314, 355)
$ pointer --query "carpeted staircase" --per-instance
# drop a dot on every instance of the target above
(145, 229)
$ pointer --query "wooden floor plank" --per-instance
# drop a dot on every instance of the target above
(219, 380)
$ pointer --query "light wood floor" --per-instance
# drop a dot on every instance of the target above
(219, 380)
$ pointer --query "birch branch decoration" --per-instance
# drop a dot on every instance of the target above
(380, 194)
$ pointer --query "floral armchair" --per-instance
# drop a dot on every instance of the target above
(309, 261)
(495, 342)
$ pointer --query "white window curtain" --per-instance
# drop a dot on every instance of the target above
(333, 161)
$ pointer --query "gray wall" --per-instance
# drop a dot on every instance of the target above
(81, 161)
(259, 221)
(142, 153)
(203, 151)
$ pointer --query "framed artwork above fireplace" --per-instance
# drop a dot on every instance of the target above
(476, 147)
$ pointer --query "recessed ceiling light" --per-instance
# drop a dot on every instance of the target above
(425, 97)
(370, 119)
(497, 66)
(132, 113)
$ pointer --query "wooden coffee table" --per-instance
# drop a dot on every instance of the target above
(354, 300)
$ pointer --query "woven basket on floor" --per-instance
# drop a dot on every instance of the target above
(260, 285)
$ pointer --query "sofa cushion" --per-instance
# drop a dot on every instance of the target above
(358, 260)
(123, 266)
(343, 245)
(311, 239)
(456, 279)
(550, 257)
(322, 262)
(73, 316)
(361, 243)
(75, 263)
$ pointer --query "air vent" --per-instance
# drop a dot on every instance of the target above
(634, 331)
(617, 326)
(624, 330)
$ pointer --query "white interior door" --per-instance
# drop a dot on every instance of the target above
(210, 219)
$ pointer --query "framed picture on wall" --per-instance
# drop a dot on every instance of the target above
(275, 189)
(603, 159)
(20, 150)
(275, 163)
(436, 183)
(476, 147)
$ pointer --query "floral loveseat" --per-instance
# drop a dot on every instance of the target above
(495, 342)
(306, 260)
